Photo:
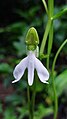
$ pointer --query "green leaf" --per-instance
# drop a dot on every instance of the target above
(20, 46)
(59, 14)
(61, 82)
(5, 68)
(15, 27)
(1, 30)
(23, 112)
(14, 99)
(9, 113)
(29, 13)
(39, 86)
(42, 112)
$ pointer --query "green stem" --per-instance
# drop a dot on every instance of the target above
(55, 98)
(28, 93)
(50, 40)
(58, 15)
(33, 95)
(53, 66)
(45, 37)
(45, 6)
(50, 7)
(31, 102)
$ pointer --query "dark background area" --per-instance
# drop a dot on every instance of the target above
(7, 9)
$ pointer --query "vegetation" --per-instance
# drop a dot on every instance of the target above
(50, 99)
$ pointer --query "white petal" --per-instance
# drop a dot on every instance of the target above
(42, 72)
(19, 70)
(30, 69)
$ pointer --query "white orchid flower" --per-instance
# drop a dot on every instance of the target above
(31, 63)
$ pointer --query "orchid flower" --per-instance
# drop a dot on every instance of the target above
(31, 63)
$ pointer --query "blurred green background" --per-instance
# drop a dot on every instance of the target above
(16, 17)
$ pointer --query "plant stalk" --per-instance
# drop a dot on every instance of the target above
(53, 67)
(45, 6)
(50, 40)
(31, 101)
(45, 37)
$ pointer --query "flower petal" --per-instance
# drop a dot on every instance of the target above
(30, 69)
(42, 72)
(19, 70)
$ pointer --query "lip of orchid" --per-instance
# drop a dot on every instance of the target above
(31, 63)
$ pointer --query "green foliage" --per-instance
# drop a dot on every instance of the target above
(1, 109)
(17, 27)
(23, 112)
(59, 14)
(13, 48)
(5, 68)
(60, 25)
(42, 111)
(61, 82)
(9, 113)
(20, 46)
(14, 99)
(28, 14)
